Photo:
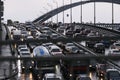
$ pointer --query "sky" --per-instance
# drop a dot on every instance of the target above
(29, 10)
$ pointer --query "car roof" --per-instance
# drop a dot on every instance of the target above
(54, 46)
(111, 70)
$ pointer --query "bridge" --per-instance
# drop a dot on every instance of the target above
(65, 7)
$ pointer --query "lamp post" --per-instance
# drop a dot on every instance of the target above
(57, 7)
(51, 9)
(71, 12)
(112, 12)
(63, 13)
(94, 13)
(81, 12)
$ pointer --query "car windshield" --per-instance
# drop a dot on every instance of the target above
(75, 48)
(24, 49)
(25, 54)
(70, 44)
(42, 36)
(22, 46)
(116, 51)
(117, 44)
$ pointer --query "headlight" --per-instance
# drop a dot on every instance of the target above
(70, 75)
(23, 67)
(90, 65)
(30, 67)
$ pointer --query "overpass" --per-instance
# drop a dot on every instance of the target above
(65, 7)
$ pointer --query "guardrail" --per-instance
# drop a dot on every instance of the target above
(5, 76)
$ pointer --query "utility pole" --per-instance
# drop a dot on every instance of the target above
(63, 13)
(94, 13)
(112, 12)
(71, 12)
(81, 12)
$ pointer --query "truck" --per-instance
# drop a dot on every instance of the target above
(74, 68)
(42, 67)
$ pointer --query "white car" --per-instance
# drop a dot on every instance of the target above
(117, 45)
(21, 46)
(114, 52)
(55, 50)
(69, 45)
(24, 50)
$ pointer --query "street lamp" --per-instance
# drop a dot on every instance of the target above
(94, 13)
(81, 12)
(63, 13)
(57, 8)
(71, 12)
(112, 12)
(51, 9)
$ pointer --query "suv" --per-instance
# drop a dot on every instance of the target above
(112, 74)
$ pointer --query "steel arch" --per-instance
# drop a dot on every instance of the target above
(65, 7)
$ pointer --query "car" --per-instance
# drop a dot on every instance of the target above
(21, 46)
(114, 52)
(26, 65)
(90, 44)
(24, 50)
(47, 45)
(54, 36)
(47, 32)
(101, 69)
(42, 36)
(91, 34)
(52, 76)
(62, 31)
(112, 74)
(68, 45)
(117, 45)
(29, 37)
(44, 28)
(69, 33)
(74, 50)
(83, 78)
(55, 50)
(99, 48)
(24, 33)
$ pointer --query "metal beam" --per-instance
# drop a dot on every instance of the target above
(65, 7)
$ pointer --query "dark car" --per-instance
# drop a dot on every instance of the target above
(69, 33)
(99, 48)
(112, 74)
